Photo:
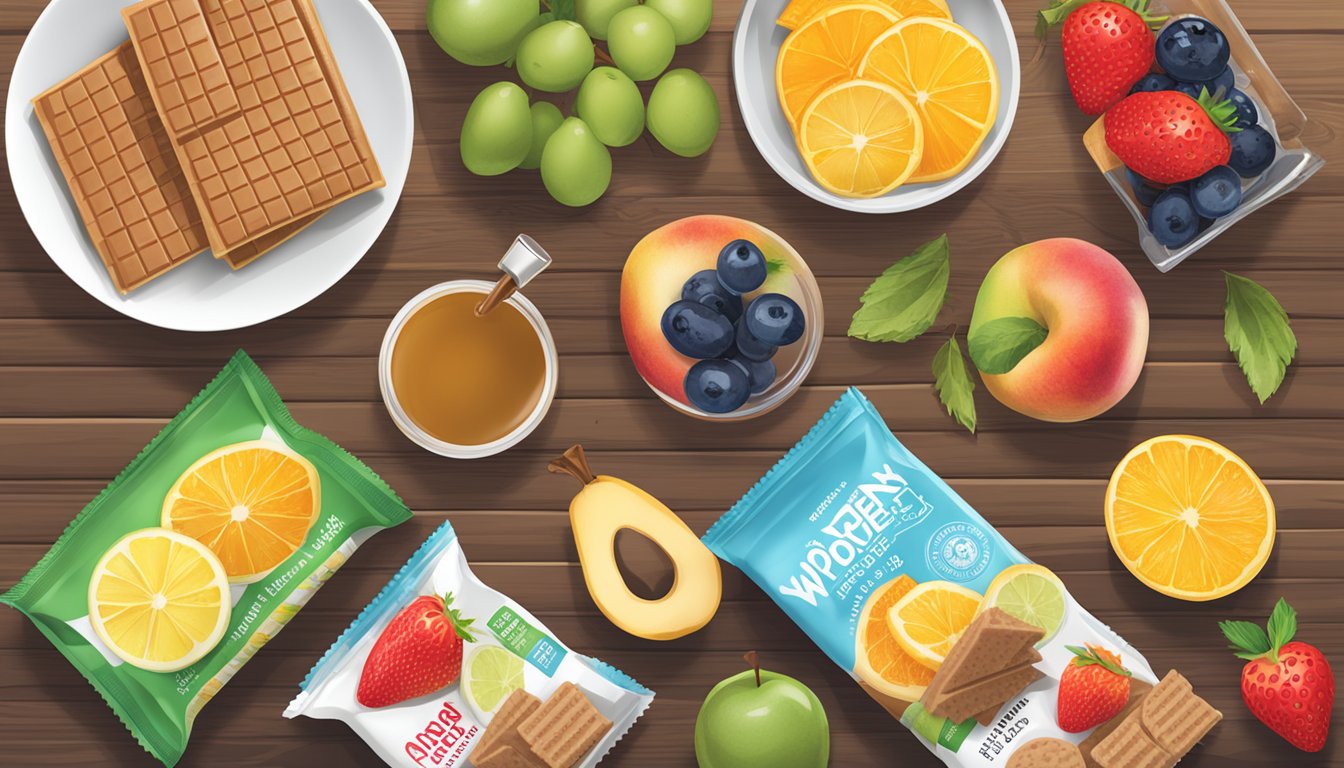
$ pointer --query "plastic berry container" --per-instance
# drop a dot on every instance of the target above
(1293, 163)
(657, 268)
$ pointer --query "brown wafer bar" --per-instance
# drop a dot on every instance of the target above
(1129, 746)
(119, 166)
(513, 711)
(1046, 752)
(974, 699)
(994, 654)
(288, 144)
(1164, 726)
(564, 728)
(511, 755)
(1137, 690)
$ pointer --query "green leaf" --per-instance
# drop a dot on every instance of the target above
(1257, 332)
(954, 384)
(999, 345)
(563, 10)
(904, 300)
(1247, 639)
(1282, 624)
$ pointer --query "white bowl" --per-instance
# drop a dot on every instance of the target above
(204, 294)
(755, 48)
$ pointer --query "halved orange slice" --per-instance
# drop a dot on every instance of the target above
(251, 503)
(824, 51)
(949, 76)
(799, 11)
(878, 658)
(1189, 518)
(860, 138)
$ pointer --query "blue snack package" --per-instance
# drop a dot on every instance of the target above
(848, 524)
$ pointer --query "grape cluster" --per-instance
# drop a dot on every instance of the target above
(553, 52)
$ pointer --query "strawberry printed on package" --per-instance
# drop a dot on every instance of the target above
(440, 670)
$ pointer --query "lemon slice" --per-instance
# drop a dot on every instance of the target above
(1030, 592)
(931, 618)
(489, 675)
(159, 600)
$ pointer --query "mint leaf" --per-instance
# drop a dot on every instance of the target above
(953, 383)
(904, 300)
(1247, 639)
(999, 345)
(1257, 332)
(1282, 624)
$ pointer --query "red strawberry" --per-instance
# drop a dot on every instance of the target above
(1286, 685)
(419, 652)
(1093, 689)
(1108, 47)
(1169, 137)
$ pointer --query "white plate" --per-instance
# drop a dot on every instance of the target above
(204, 294)
(755, 48)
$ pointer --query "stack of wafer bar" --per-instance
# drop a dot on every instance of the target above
(527, 732)
(1158, 729)
(241, 136)
(990, 663)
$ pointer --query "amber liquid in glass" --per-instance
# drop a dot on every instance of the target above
(464, 379)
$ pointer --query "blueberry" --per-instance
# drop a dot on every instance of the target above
(1225, 81)
(775, 319)
(1172, 219)
(1189, 89)
(1252, 151)
(729, 306)
(741, 266)
(761, 373)
(1145, 191)
(751, 347)
(1216, 193)
(1192, 49)
(1153, 82)
(696, 330)
(717, 386)
(702, 282)
(1247, 114)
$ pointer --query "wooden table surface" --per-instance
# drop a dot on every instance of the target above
(82, 389)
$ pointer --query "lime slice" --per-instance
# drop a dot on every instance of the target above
(1031, 593)
(489, 675)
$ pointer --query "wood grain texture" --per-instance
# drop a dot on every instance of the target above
(82, 389)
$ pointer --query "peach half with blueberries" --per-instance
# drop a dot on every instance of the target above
(712, 308)
(1059, 331)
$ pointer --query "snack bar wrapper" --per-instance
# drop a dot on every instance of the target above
(523, 698)
(199, 552)
(852, 535)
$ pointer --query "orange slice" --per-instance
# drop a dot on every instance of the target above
(930, 618)
(1189, 518)
(250, 503)
(878, 658)
(860, 138)
(824, 51)
(948, 75)
(799, 11)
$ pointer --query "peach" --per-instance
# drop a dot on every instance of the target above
(659, 266)
(1097, 321)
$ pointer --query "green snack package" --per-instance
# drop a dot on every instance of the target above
(199, 552)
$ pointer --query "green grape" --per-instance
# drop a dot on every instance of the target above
(689, 18)
(641, 41)
(609, 102)
(497, 131)
(595, 15)
(481, 33)
(555, 57)
(575, 166)
(546, 118)
(684, 113)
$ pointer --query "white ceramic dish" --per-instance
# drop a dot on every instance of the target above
(755, 48)
(204, 294)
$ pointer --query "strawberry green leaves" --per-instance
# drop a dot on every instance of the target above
(999, 345)
(953, 382)
(1257, 331)
(1251, 642)
(905, 299)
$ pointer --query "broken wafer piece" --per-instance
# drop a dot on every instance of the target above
(564, 728)
(286, 145)
(1046, 752)
(513, 711)
(1129, 746)
(990, 692)
(991, 662)
(1164, 726)
(1137, 690)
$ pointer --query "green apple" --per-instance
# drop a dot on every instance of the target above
(762, 718)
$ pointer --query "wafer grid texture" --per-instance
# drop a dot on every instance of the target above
(117, 158)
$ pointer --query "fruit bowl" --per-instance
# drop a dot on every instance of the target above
(653, 278)
(756, 45)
